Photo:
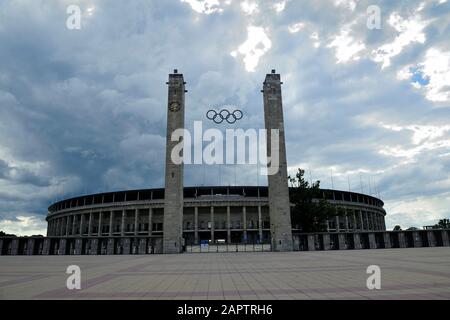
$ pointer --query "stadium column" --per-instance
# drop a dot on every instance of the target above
(74, 224)
(81, 224)
(57, 228)
(196, 225)
(150, 223)
(136, 220)
(361, 219)
(91, 215)
(67, 225)
(100, 218)
(212, 224)
(244, 222)
(122, 224)
(111, 217)
(279, 206)
(260, 227)
(173, 198)
(228, 225)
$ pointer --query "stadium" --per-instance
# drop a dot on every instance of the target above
(219, 215)
(177, 219)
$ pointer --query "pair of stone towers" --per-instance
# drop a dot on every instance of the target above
(279, 205)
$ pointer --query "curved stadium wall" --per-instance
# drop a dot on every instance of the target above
(218, 214)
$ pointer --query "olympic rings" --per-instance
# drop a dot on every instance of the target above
(224, 114)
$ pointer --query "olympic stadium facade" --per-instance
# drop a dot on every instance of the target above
(177, 219)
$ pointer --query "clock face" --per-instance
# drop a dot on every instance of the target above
(174, 106)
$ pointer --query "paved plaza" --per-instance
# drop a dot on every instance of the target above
(414, 273)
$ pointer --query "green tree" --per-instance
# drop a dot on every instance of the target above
(443, 224)
(310, 212)
(397, 228)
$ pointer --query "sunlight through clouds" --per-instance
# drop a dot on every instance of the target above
(256, 45)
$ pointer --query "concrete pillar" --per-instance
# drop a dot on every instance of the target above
(387, 240)
(341, 239)
(74, 224)
(15, 247)
(418, 243)
(431, 239)
(126, 245)
(361, 220)
(401, 240)
(57, 227)
(336, 221)
(366, 218)
(357, 240)
(111, 222)
(110, 246)
(173, 202)
(30, 247)
(122, 224)
(142, 246)
(445, 238)
(78, 246)
(100, 220)
(150, 219)
(82, 222)
(311, 242)
(372, 241)
(46, 247)
(136, 220)
(67, 225)
(62, 247)
(94, 246)
(244, 223)
(326, 241)
(346, 221)
(91, 216)
(196, 225)
(279, 205)
(228, 225)
(260, 226)
(212, 224)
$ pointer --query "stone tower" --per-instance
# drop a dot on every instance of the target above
(279, 205)
(173, 199)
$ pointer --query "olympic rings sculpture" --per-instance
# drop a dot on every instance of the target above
(224, 115)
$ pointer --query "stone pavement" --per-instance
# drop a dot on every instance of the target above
(414, 273)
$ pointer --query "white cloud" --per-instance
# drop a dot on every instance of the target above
(409, 30)
(437, 68)
(249, 7)
(349, 4)
(256, 45)
(279, 6)
(417, 212)
(204, 6)
(347, 48)
(296, 27)
(24, 226)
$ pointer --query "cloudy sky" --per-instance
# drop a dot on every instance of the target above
(83, 110)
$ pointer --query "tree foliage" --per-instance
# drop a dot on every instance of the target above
(443, 224)
(397, 228)
(310, 212)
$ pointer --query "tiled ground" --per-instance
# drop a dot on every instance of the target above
(419, 273)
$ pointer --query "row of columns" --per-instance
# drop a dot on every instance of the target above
(228, 223)
(366, 220)
(66, 225)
